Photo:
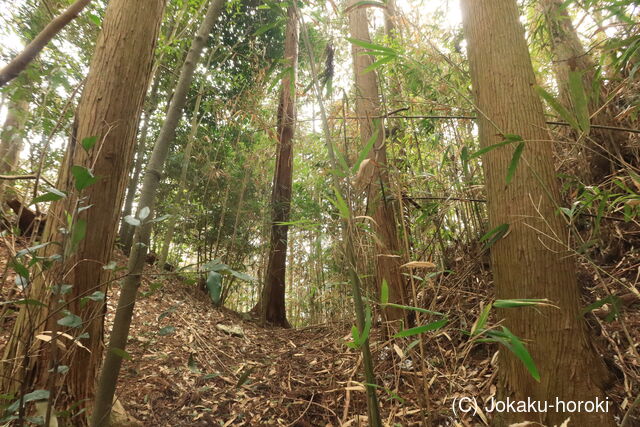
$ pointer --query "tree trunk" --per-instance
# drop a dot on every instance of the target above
(109, 110)
(388, 250)
(124, 312)
(272, 305)
(604, 148)
(126, 231)
(171, 222)
(11, 139)
(532, 260)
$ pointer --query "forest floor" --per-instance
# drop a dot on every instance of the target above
(192, 364)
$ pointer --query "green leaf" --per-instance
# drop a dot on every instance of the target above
(263, 29)
(579, 100)
(89, 142)
(517, 153)
(373, 47)
(120, 352)
(167, 330)
(51, 195)
(508, 140)
(78, 233)
(20, 269)
(524, 302)
(95, 19)
(340, 204)
(61, 369)
(478, 327)
(61, 289)
(144, 213)
(244, 376)
(611, 299)
(27, 302)
(421, 329)
(557, 106)
(380, 62)
(367, 148)
(516, 346)
(384, 292)
(418, 309)
(70, 320)
(96, 296)
(83, 176)
(135, 222)
(491, 237)
(29, 397)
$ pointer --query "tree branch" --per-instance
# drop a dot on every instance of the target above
(20, 62)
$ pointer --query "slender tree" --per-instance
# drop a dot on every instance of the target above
(388, 250)
(272, 307)
(124, 312)
(532, 260)
(108, 115)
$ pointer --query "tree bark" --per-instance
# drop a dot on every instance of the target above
(272, 306)
(20, 62)
(124, 312)
(12, 139)
(532, 260)
(109, 110)
(388, 250)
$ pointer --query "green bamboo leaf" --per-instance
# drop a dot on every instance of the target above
(517, 347)
(508, 139)
(513, 165)
(372, 47)
(367, 148)
(579, 100)
(340, 204)
(557, 106)
(408, 307)
(492, 236)
(384, 292)
(379, 63)
(421, 329)
(478, 327)
(524, 302)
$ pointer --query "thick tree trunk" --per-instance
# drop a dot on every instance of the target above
(272, 305)
(532, 260)
(603, 148)
(388, 250)
(11, 139)
(109, 110)
(124, 312)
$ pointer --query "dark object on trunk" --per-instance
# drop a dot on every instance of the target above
(27, 219)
